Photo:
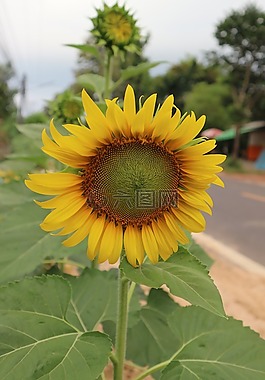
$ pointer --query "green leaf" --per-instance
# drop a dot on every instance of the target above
(27, 149)
(92, 82)
(13, 194)
(103, 298)
(86, 49)
(214, 348)
(32, 131)
(133, 71)
(37, 341)
(151, 340)
(23, 244)
(197, 251)
(185, 276)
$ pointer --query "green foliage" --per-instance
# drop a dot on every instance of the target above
(90, 49)
(103, 298)
(92, 82)
(212, 100)
(197, 251)
(185, 277)
(152, 333)
(36, 118)
(191, 343)
(181, 77)
(25, 153)
(7, 105)
(92, 62)
(47, 346)
(242, 35)
(239, 353)
(66, 107)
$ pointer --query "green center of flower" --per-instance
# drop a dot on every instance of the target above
(132, 181)
(118, 27)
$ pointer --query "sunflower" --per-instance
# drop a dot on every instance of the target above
(140, 182)
(115, 28)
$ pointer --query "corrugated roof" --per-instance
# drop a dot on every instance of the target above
(229, 134)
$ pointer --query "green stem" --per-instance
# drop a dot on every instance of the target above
(158, 366)
(153, 369)
(131, 290)
(121, 326)
(108, 75)
(94, 264)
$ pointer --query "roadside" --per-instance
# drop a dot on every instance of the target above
(247, 172)
(241, 283)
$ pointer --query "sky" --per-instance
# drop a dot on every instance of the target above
(33, 34)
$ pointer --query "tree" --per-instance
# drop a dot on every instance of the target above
(181, 77)
(7, 105)
(212, 100)
(243, 33)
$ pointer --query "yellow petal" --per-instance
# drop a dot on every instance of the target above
(118, 124)
(117, 249)
(95, 119)
(149, 109)
(162, 117)
(195, 201)
(67, 158)
(56, 180)
(80, 234)
(170, 236)
(133, 246)
(95, 236)
(150, 243)
(186, 131)
(94, 115)
(165, 251)
(172, 223)
(165, 127)
(57, 216)
(75, 222)
(190, 218)
(198, 149)
(61, 200)
(217, 181)
(121, 120)
(193, 169)
(69, 152)
(137, 127)
(129, 105)
(46, 190)
(84, 135)
(107, 242)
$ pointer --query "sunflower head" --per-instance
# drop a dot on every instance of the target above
(115, 28)
(141, 179)
(66, 107)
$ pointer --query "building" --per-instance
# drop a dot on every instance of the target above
(252, 140)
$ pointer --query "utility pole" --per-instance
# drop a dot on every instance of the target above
(22, 98)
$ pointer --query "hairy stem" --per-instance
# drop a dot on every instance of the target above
(108, 75)
(121, 326)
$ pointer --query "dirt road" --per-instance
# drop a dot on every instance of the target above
(241, 283)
